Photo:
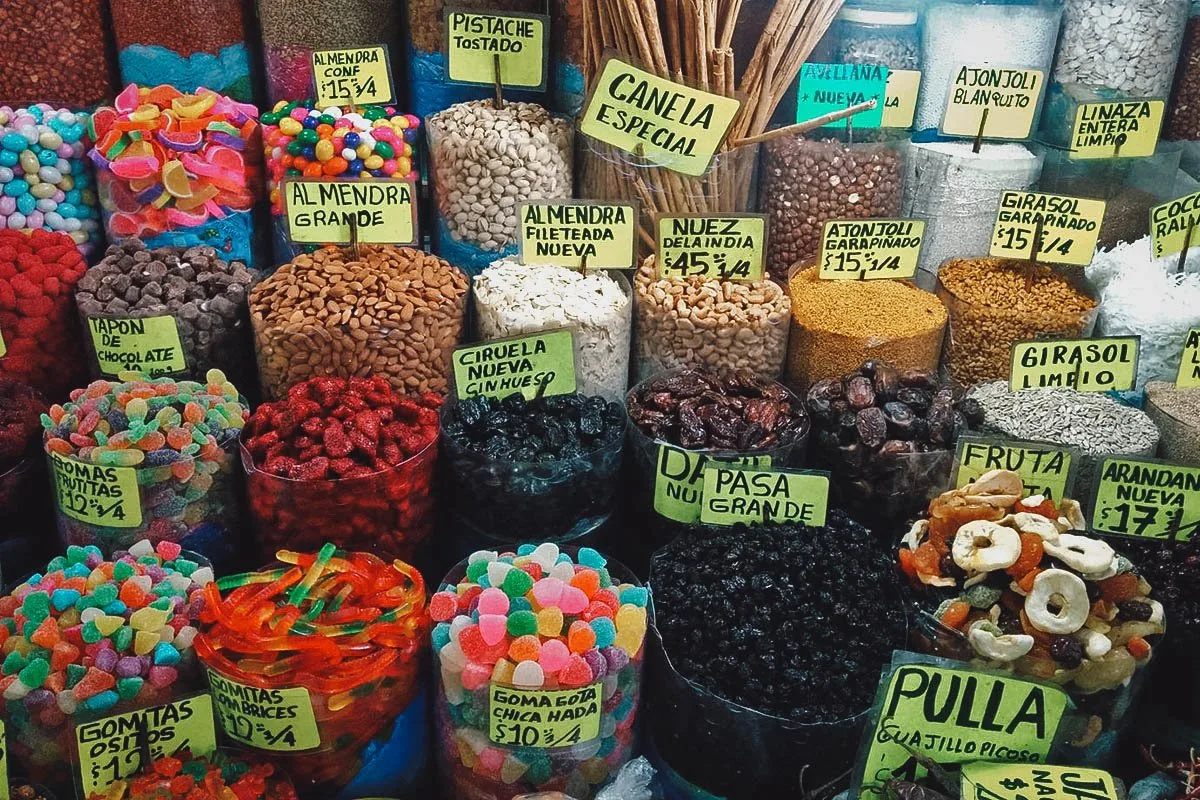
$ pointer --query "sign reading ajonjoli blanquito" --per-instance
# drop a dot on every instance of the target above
(671, 124)
(1009, 97)
(565, 233)
(1189, 361)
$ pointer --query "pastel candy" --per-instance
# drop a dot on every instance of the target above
(564, 571)
(494, 601)
(496, 572)
(554, 655)
(573, 601)
(528, 673)
(474, 676)
(545, 555)
(493, 628)
(548, 591)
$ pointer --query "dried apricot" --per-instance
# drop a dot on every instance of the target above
(908, 562)
(1119, 587)
(1138, 647)
(1026, 580)
(956, 614)
(926, 559)
(941, 531)
(1030, 557)
(1047, 508)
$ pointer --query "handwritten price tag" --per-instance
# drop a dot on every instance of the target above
(1189, 362)
(1009, 97)
(1070, 227)
(679, 480)
(1085, 365)
(727, 248)
(96, 494)
(536, 718)
(279, 720)
(1044, 469)
(149, 344)
(1117, 129)
(982, 781)
(1147, 498)
(1171, 222)
(755, 496)
(3, 762)
(870, 249)
(355, 75)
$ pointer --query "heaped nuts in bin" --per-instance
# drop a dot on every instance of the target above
(393, 311)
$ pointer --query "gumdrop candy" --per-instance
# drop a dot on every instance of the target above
(530, 674)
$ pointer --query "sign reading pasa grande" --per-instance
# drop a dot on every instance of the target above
(671, 124)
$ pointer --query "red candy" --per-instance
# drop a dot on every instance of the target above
(343, 460)
(38, 272)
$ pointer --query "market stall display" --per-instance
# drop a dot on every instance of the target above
(46, 175)
(338, 312)
(750, 684)
(1176, 412)
(511, 299)
(163, 455)
(349, 638)
(486, 159)
(188, 44)
(349, 461)
(180, 170)
(711, 324)
(547, 467)
(184, 776)
(188, 300)
(1131, 47)
(887, 438)
(92, 637)
(585, 642)
(1183, 120)
(42, 345)
(1020, 588)
(995, 303)
(77, 72)
(871, 32)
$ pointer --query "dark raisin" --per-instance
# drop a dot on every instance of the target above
(1067, 651)
(1134, 610)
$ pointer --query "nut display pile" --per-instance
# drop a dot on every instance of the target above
(513, 299)
(693, 322)
(391, 311)
(1029, 591)
(887, 436)
(1130, 45)
(1176, 412)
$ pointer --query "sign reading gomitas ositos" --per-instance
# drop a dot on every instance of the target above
(670, 124)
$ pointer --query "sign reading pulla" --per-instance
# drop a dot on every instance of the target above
(353, 76)
(149, 345)
(824, 88)
(1044, 468)
(109, 748)
(542, 363)
(1171, 222)
(1189, 361)
(731, 247)
(671, 124)
(475, 40)
(954, 715)
(986, 781)
(1117, 129)
(1008, 96)
(870, 248)
(1085, 365)
(568, 232)
(1070, 227)
(754, 496)
(1148, 498)
(324, 212)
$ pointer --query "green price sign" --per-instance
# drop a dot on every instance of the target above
(1146, 498)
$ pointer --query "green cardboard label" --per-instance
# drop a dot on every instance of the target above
(280, 720)
(953, 716)
(825, 88)
(3, 346)
(96, 494)
(537, 718)
(989, 781)
(754, 496)
(1189, 362)
(109, 748)
(353, 76)
(731, 247)
(3, 762)
(148, 344)
(1147, 498)
(1044, 468)
(476, 39)
(679, 480)
(542, 362)
(1085, 365)
(567, 232)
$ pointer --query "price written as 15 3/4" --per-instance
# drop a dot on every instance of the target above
(1020, 239)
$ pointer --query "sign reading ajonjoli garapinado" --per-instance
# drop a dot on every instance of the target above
(537, 364)
(1147, 498)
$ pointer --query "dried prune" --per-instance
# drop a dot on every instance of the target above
(859, 393)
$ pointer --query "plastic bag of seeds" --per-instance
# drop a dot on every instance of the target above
(186, 43)
(1183, 118)
(76, 71)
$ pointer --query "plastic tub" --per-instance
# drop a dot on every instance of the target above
(389, 513)
(474, 767)
(507, 501)
(77, 72)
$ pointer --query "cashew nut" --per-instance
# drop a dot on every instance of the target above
(1028, 522)
(983, 546)
(993, 644)
(1095, 644)
(916, 534)
(1066, 592)
(1081, 553)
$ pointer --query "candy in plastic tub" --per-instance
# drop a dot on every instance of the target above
(349, 461)
(149, 459)
(56, 51)
(46, 176)
(40, 338)
(179, 170)
(88, 638)
(537, 700)
(184, 43)
(333, 641)
(184, 776)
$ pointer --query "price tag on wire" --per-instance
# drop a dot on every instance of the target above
(1147, 498)
(1047, 227)
(728, 247)
(866, 249)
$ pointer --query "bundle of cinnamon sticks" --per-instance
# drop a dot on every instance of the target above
(691, 41)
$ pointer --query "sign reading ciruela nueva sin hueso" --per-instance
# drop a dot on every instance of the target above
(324, 211)
(541, 363)
(564, 233)
(671, 124)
